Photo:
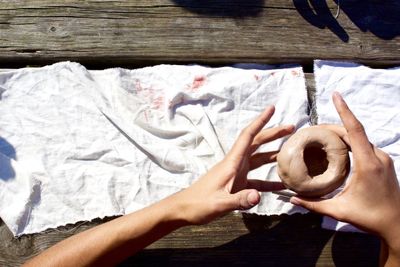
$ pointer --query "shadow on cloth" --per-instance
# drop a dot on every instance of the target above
(223, 8)
(379, 17)
(296, 240)
(7, 152)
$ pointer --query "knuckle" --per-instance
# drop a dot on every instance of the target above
(310, 206)
(231, 168)
(374, 167)
(217, 207)
(239, 202)
(386, 159)
(356, 127)
(244, 132)
(242, 203)
(248, 131)
(279, 132)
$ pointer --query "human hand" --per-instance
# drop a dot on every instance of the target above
(371, 198)
(225, 187)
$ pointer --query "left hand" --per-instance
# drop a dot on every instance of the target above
(225, 187)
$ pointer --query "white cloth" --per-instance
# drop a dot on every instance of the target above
(374, 97)
(77, 144)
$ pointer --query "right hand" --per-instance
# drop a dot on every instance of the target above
(371, 198)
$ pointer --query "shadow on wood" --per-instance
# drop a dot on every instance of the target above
(379, 17)
(7, 152)
(355, 249)
(253, 240)
(318, 14)
(223, 8)
(382, 18)
(296, 240)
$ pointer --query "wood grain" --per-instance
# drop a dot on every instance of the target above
(143, 32)
(239, 240)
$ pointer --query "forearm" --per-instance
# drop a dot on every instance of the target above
(112, 242)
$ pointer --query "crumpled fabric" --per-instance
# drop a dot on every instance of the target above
(374, 97)
(77, 145)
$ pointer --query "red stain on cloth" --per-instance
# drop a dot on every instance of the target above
(138, 86)
(198, 82)
(158, 102)
(295, 73)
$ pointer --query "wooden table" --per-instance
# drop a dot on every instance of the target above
(101, 34)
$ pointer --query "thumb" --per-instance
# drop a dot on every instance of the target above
(245, 199)
(319, 205)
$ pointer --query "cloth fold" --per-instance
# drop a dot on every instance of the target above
(91, 144)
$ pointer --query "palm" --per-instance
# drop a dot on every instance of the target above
(239, 180)
(248, 160)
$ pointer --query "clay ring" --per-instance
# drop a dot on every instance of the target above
(313, 162)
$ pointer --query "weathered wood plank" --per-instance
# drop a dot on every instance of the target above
(116, 33)
(250, 240)
(294, 240)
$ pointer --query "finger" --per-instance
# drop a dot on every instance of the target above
(269, 135)
(244, 199)
(324, 206)
(246, 137)
(339, 130)
(264, 186)
(260, 159)
(359, 142)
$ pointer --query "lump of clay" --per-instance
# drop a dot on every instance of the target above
(313, 162)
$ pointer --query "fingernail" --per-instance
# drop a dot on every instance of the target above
(295, 201)
(291, 127)
(338, 95)
(253, 198)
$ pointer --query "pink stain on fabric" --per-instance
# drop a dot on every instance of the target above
(198, 82)
(295, 73)
(256, 77)
(158, 102)
(138, 86)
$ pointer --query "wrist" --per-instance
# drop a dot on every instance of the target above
(185, 209)
(147, 225)
(393, 243)
(392, 239)
(174, 210)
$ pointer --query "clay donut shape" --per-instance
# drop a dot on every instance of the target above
(313, 162)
